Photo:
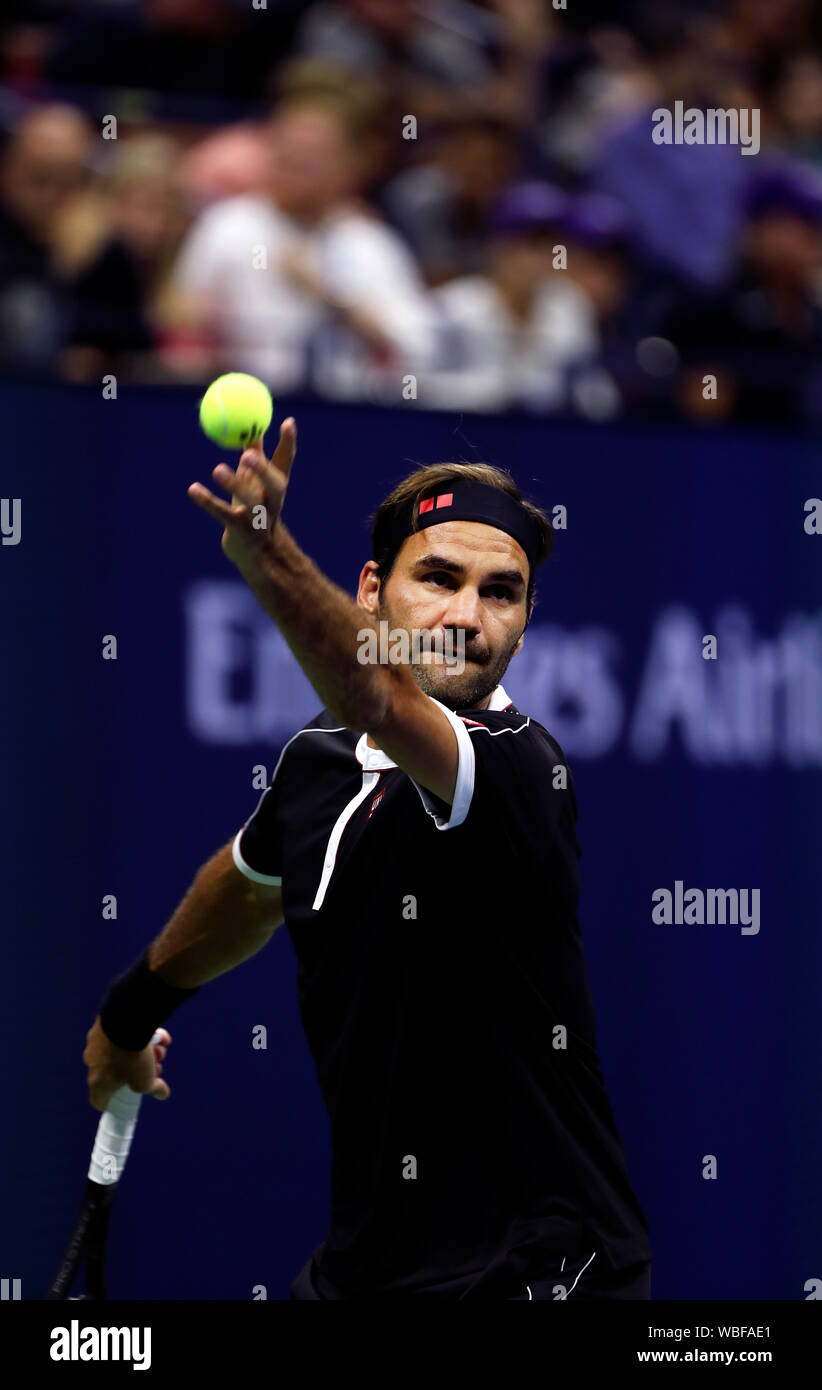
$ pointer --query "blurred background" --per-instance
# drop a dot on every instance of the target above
(437, 230)
(409, 170)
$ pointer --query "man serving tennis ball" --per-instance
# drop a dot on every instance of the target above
(418, 838)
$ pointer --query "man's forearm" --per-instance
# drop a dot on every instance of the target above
(219, 923)
(321, 623)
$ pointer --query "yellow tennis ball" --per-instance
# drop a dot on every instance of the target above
(235, 410)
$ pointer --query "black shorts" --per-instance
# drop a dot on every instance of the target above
(569, 1280)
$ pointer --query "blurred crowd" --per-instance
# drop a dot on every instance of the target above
(457, 202)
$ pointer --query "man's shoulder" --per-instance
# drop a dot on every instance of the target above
(494, 719)
(502, 722)
(524, 767)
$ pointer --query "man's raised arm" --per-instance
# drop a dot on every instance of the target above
(322, 624)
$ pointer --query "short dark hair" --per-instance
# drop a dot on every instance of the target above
(430, 475)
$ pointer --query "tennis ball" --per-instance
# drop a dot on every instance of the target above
(235, 410)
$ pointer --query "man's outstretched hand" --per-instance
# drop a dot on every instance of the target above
(257, 491)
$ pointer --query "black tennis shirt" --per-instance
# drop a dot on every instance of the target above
(444, 996)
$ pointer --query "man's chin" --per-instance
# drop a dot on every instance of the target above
(460, 690)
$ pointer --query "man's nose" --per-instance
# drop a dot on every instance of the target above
(463, 611)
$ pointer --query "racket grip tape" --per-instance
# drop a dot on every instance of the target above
(115, 1132)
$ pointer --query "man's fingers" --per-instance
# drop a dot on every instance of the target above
(104, 1082)
(274, 475)
(100, 1095)
(286, 446)
(245, 485)
(254, 472)
(221, 511)
(273, 479)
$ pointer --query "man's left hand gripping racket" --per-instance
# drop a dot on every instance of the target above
(115, 1132)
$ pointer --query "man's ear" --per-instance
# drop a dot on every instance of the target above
(369, 587)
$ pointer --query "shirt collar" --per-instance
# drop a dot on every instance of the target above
(375, 760)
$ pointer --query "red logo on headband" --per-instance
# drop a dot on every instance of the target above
(445, 499)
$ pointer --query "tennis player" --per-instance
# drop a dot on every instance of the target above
(419, 840)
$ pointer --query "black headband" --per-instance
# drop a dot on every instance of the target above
(462, 499)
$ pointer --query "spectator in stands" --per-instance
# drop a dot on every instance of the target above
(757, 32)
(43, 166)
(226, 163)
(797, 100)
(594, 231)
(762, 337)
(443, 61)
(596, 235)
(683, 201)
(235, 159)
(426, 60)
(629, 308)
(590, 86)
(118, 247)
(260, 277)
(508, 338)
(443, 206)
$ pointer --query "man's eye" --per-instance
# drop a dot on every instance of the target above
(496, 590)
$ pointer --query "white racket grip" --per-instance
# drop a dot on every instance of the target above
(115, 1132)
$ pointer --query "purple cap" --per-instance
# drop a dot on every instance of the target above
(595, 221)
(789, 188)
(528, 207)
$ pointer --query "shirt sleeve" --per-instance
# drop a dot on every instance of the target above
(447, 817)
(258, 846)
(512, 782)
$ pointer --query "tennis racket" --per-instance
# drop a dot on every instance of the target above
(112, 1142)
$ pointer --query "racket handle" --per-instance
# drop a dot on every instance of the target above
(115, 1132)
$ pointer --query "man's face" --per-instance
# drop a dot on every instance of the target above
(457, 577)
